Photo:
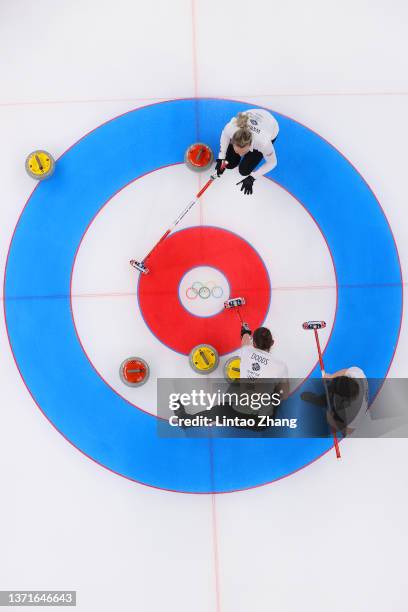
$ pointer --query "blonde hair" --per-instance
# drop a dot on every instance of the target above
(243, 135)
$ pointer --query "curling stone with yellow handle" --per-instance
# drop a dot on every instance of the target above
(204, 359)
(232, 368)
(40, 165)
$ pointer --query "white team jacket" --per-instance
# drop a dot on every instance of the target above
(264, 128)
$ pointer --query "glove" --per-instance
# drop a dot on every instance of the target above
(245, 329)
(219, 170)
(247, 183)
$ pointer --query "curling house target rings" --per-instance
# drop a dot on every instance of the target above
(179, 248)
(38, 313)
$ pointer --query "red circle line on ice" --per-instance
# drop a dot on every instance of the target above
(158, 291)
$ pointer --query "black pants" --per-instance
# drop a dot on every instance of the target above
(247, 163)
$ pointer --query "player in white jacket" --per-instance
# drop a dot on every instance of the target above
(245, 140)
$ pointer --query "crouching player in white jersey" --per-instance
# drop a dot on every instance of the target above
(260, 373)
(258, 364)
(256, 360)
(245, 141)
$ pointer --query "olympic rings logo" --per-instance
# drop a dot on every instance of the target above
(204, 290)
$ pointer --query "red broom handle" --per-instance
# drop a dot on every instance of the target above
(319, 351)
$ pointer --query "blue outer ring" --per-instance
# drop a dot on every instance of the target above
(37, 286)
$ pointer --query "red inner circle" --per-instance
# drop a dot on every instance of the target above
(158, 291)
